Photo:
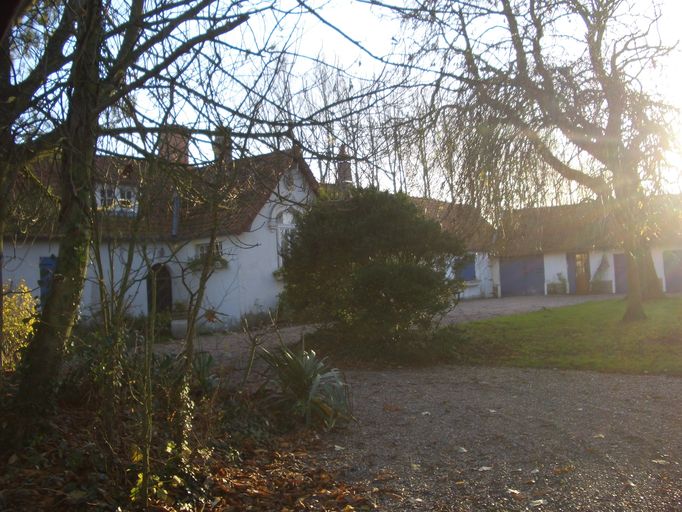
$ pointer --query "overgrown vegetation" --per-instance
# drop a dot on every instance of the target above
(372, 265)
(73, 462)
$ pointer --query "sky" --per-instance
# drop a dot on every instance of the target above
(362, 23)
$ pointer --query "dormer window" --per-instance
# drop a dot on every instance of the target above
(119, 200)
(126, 197)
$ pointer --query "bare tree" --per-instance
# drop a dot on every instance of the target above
(527, 89)
(135, 59)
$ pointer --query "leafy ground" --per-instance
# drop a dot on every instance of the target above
(589, 336)
(240, 466)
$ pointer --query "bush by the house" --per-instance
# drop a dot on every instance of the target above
(19, 314)
(372, 264)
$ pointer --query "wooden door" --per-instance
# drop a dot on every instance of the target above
(582, 273)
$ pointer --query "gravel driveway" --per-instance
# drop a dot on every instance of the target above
(478, 439)
(493, 439)
(480, 309)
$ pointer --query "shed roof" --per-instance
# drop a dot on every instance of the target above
(583, 227)
(465, 221)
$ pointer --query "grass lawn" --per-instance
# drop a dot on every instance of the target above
(587, 336)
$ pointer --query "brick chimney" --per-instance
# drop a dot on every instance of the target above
(222, 145)
(174, 144)
(344, 174)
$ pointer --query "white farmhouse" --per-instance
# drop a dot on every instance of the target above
(157, 217)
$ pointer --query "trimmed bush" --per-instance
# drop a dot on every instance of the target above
(372, 264)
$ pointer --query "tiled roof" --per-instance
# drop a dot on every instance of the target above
(245, 186)
(248, 184)
(582, 227)
(465, 221)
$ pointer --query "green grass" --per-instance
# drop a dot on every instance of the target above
(587, 336)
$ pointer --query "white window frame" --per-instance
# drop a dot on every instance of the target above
(283, 230)
(106, 198)
(117, 200)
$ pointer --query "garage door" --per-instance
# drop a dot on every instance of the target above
(522, 276)
(672, 268)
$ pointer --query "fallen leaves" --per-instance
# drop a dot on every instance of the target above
(561, 470)
(284, 481)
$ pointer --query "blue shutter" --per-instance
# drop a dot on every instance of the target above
(47, 266)
(468, 271)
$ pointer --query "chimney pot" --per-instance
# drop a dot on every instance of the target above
(344, 174)
(222, 145)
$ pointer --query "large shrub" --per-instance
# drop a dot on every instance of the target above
(372, 263)
(19, 314)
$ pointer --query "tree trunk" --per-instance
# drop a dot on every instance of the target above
(652, 288)
(629, 215)
(2, 300)
(43, 358)
(635, 308)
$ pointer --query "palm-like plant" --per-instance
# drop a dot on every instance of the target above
(309, 388)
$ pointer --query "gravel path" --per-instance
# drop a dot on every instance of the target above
(501, 439)
(479, 439)
(481, 309)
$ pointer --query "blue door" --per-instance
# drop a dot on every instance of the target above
(522, 276)
(620, 269)
(672, 269)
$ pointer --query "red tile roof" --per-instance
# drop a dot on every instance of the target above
(463, 220)
(245, 186)
(248, 184)
(583, 227)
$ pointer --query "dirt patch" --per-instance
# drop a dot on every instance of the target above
(454, 438)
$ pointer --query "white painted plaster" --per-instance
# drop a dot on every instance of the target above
(556, 269)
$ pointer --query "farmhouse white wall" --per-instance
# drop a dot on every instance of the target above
(657, 256)
(22, 262)
(248, 285)
(114, 259)
(556, 269)
(495, 267)
(483, 285)
(609, 274)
